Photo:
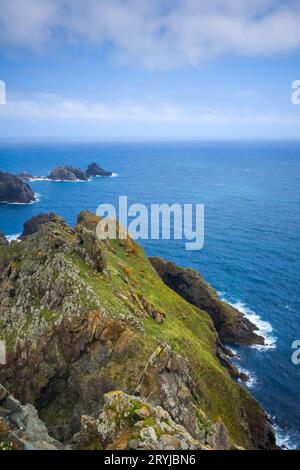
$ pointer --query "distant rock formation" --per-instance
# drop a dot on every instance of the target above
(24, 176)
(231, 324)
(14, 190)
(95, 170)
(67, 173)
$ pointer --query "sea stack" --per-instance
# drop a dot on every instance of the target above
(67, 173)
(95, 170)
(14, 190)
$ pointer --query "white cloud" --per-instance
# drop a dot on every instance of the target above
(43, 107)
(156, 33)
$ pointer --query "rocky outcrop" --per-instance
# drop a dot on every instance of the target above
(3, 241)
(231, 324)
(14, 190)
(77, 172)
(32, 225)
(24, 176)
(129, 422)
(81, 318)
(21, 427)
(67, 173)
(95, 170)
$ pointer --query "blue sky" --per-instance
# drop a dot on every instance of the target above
(149, 69)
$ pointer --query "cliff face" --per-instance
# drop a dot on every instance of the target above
(83, 318)
(14, 190)
(231, 324)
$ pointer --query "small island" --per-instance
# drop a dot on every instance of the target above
(95, 170)
(14, 191)
(68, 173)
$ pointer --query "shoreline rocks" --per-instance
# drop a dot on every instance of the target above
(14, 190)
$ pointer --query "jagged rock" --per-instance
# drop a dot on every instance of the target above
(32, 225)
(167, 381)
(95, 170)
(218, 438)
(231, 324)
(3, 241)
(79, 174)
(129, 422)
(90, 249)
(67, 173)
(24, 176)
(24, 429)
(14, 190)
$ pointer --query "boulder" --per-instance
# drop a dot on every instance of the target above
(14, 190)
(95, 170)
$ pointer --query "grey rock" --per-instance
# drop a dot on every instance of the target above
(14, 190)
(95, 170)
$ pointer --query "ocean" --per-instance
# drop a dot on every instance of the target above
(251, 253)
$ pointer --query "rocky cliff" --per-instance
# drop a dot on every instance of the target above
(108, 354)
(231, 324)
(14, 190)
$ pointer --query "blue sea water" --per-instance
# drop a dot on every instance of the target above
(252, 232)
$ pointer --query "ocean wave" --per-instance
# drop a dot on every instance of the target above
(42, 178)
(13, 237)
(285, 439)
(113, 175)
(251, 381)
(264, 328)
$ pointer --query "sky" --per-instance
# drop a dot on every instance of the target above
(149, 69)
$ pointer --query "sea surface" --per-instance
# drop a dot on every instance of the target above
(251, 255)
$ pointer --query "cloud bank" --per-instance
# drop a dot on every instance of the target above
(51, 107)
(155, 33)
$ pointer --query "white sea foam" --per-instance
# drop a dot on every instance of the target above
(284, 439)
(251, 381)
(234, 352)
(264, 328)
(113, 175)
(12, 237)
